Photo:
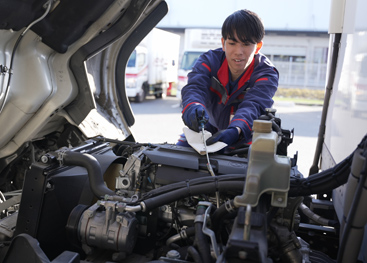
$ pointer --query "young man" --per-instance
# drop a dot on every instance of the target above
(230, 86)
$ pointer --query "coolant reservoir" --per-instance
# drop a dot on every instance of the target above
(266, 172)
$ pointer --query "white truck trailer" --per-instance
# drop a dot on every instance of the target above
(197, 41)
(153, 65)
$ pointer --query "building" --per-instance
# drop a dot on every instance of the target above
(296, 38)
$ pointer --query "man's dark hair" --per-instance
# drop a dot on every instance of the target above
(246, 25)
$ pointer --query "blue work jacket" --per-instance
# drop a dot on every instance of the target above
(238, 106)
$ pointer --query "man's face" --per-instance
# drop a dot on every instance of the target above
(239, 55)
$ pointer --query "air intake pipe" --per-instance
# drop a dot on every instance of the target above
(94, 170)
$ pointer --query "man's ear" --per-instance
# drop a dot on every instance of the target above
(223, 44)
(258, 47)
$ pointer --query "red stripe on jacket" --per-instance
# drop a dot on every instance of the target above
(218, 93)
(247, 74)
(205, 65)
(243, 121)
(261, 79)
(191, 104)
(223, 75)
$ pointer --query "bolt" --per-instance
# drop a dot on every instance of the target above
(89, 213)
(280, 199)
(44, 159)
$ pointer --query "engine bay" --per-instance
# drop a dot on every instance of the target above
(121, 201)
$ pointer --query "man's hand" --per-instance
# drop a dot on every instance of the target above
(228, 136)
(194, 115)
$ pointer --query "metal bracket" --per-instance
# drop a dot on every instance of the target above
(3, 69)
(207, 231)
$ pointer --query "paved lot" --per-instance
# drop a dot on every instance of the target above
(158, 121)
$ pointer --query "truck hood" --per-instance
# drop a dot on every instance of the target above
(62, 67)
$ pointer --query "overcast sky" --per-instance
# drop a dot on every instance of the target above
(308, 15)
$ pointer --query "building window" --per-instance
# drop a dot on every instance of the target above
(320, 54)
(286, 58)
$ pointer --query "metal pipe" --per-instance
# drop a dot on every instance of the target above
(329, 87)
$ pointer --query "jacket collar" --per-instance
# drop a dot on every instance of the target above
(223, 74)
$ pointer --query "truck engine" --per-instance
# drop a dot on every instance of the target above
(119, 201)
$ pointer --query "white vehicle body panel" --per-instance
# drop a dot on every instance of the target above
(156, 62)
(197, 41)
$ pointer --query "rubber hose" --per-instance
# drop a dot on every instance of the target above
(194, 254)
(322, 182)
(276, 127)
(97, 185)
(201, 241)
(184, 234)
(196, 181)
(315, 184)
(242, 150)
(220, 213)
(179, 194)
(315, 217)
